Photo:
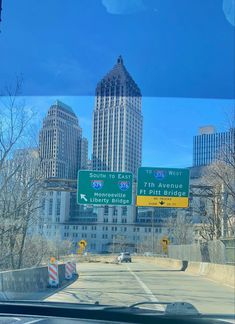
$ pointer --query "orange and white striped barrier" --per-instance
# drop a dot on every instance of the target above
(74, 268)
(69, 270)
(53, 273)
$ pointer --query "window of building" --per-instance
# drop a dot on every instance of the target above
(58, 206)
(124, 211)
(50, 206)
(106, 210)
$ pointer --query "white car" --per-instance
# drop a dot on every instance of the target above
(124, 257)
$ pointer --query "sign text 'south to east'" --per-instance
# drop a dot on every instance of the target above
(104, 188)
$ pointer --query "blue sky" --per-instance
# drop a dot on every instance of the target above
(169, 123)
(172, 48)
(180, 53)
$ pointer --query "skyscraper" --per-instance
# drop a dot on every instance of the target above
(60, 143)
(209, 145)
(117, 122)
(84, 153)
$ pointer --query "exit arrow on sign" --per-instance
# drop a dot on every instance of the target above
(83, 197)
(104, 188)
(162, 202)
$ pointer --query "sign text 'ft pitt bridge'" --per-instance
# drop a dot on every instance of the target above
(156, 187)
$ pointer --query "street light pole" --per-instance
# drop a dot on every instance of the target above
(224, 212)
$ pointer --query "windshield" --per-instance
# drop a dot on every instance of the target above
(117, 152)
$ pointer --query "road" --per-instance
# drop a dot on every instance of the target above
(125, 284)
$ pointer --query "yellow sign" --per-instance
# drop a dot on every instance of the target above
(154, 201)
(82, 244)
(164, 243)
(52, 260)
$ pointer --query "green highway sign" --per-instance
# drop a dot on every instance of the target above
(104, 188)
(163, 187)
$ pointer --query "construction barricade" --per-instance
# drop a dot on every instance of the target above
(69, 270)
(75, 273)
(53, 273)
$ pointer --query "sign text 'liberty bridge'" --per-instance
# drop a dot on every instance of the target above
(104, 188)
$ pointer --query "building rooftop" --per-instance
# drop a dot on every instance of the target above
(120, 72)
(64, 106)
(207, 129)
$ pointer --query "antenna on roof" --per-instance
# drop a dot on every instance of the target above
(120, 60)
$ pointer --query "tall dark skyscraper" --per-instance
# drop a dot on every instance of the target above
(117, 122)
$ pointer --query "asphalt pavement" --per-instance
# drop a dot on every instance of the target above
(126, 284)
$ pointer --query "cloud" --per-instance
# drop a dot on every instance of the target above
(229, 11)
(123, 7)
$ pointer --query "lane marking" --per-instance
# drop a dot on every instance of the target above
(35, 321)
(151, 296)
(217, 282)
(209, 279)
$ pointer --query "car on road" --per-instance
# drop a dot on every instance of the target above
(124, 257)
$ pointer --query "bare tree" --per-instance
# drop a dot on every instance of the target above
(218, 212)
(148, 245)
(120, 243)
(20, 180)
(180, 228)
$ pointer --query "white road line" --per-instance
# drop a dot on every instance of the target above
(151, 296)
(35, 321)
(209, 279)
(217, 282)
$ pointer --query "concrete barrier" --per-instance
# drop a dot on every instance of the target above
(194, 267)
(221, 273)
(162, 262)
(27, 280)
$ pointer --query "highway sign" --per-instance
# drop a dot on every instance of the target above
(104, 188)
(163, 187)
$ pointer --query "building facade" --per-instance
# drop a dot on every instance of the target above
(117, 122)
(60, 143)
(63, 151)
(209, 145)
(84, 154)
